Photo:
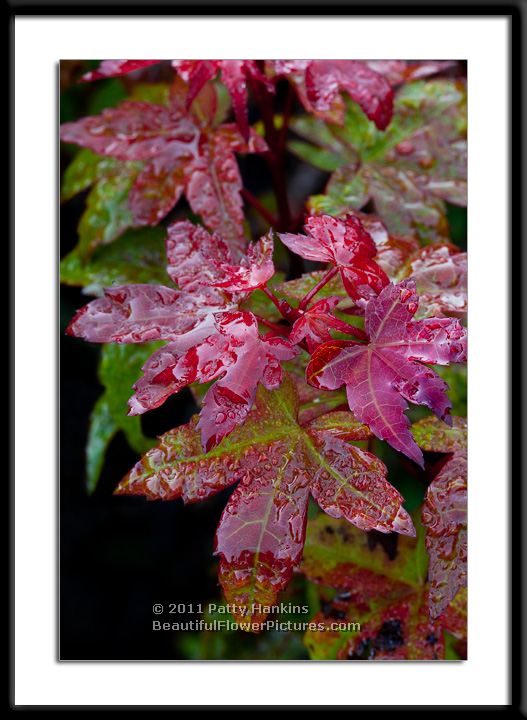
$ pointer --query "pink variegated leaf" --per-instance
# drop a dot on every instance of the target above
(114, 68)
(346, 244)
(161, 378)
(382, 376)
(254, 270)
(134, 131)
(194, 256)
(248, 359)
(138, 313)
(232, 353)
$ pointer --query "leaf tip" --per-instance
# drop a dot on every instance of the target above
(403, 523)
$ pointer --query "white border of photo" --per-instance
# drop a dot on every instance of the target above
(40, 679)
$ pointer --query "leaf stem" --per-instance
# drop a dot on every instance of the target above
(288, 105)
(274, 326)
(314, 290)
(349, 329)
(284, 308)
(275, 156)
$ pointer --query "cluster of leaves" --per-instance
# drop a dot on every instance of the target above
(296, 379)
(374, 600)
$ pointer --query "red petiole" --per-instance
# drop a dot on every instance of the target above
(314, 290)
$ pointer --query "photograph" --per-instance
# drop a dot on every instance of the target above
(262, 336)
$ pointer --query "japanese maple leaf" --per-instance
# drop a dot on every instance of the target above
(385, 594)
(277, 464)
(345, 244)
(114, 68)
(381, 376)
(204, 343)
(180, 155)
(445, 510)
(393, 251)
(320, 83)
(234, 75)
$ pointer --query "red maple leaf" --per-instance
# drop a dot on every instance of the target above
(320, 82)
(314, 324)
(393, 251)
(347, 245)
(381, 376)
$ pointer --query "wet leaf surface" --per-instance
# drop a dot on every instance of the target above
(380, 609)
(440, 273)
(180, 153)
(382, 376)
(114, 68)
(205, 344)
(277, 464)
(319, 84)
(445, 510)
(409, 171)
(234, 75)
(233, 353)
(347, 246)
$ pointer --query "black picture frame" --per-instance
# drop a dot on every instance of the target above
(515, 11)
